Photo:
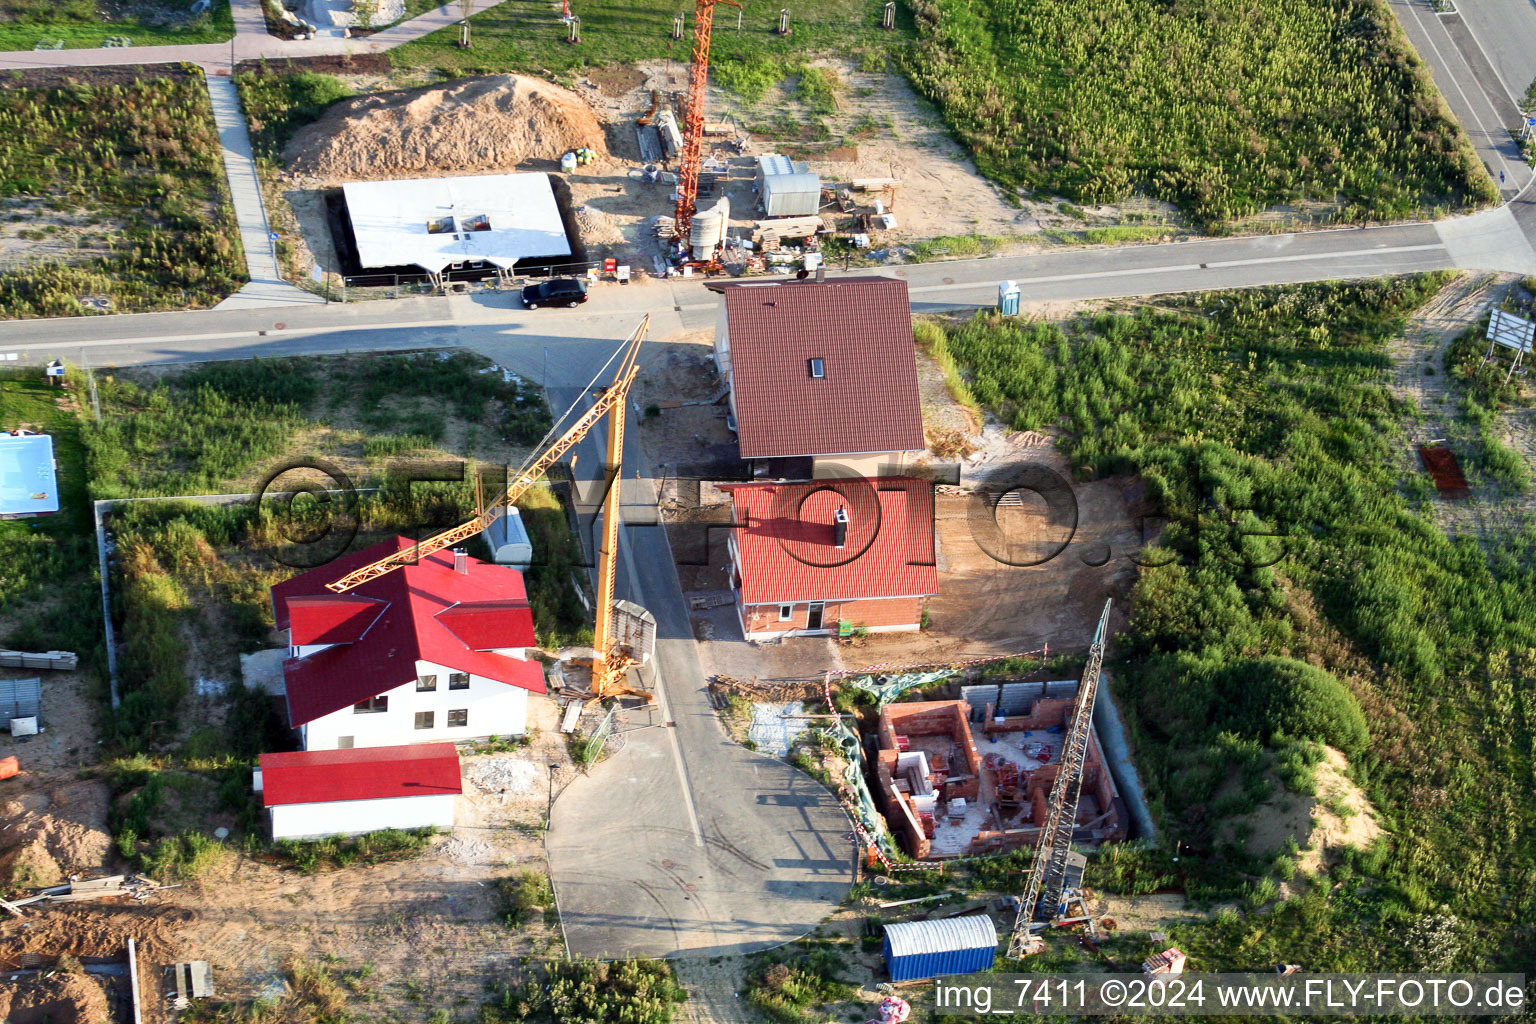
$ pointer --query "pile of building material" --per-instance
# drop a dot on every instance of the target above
(495, 122)
(136, 887)
(770, 233)
(61, 661)
(508, 775)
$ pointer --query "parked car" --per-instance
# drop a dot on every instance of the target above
(559, 291)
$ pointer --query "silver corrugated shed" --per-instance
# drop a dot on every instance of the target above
(20, 698)
(1016, 698)
(791, 195)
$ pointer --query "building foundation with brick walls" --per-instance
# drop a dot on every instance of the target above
(952, 784)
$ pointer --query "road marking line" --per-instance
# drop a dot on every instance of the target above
(1328, 255)
(1467, 24)
(250, 333)
(1182, 267)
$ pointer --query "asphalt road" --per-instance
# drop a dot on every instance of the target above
(682, 842)
(1493, 240)
(1470, 85)
(1505, 30)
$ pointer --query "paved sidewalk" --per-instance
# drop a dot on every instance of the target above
(251, 42)
(267, 287)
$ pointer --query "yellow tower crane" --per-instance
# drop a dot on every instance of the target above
(609, 663)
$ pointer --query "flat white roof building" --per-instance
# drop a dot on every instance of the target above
(28, 484)
(435, 223)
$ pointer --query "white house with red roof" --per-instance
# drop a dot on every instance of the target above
(432, 651)
(309, 794)
(806, 556)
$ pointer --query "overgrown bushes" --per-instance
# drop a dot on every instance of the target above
(1222, 109)
(140, 164)
(785, 984)
(383, 846)
(1296, 597)
(279, 101)
(523, 895)
(588, 992)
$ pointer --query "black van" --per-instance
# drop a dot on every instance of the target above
(559, 291)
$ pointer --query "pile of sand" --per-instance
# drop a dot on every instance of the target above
(54, 834)
(1314, 821)
(55, 999)
(493, 123)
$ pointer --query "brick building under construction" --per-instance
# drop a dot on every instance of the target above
(970, 777)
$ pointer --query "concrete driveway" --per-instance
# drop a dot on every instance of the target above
(731, 852)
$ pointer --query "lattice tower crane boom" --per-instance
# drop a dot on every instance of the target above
(608, 666)
(693, 121)
(1048, 869)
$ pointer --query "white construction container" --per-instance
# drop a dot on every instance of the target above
(508, 540)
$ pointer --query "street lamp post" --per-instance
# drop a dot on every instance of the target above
(550, 807)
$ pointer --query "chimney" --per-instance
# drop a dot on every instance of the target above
(840, 527)
(821, 273)
(461, 561)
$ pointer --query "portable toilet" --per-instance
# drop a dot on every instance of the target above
(928, 949)
(1008, 298)
(508, 540)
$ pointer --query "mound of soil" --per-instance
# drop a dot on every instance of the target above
(54, 834)
(58, 999)
(492, 123)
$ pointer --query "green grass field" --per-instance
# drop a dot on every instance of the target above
(1302, 593)
(1222, 107)
(42, 555)
(133, 175)
(531, 37)
(82, 25)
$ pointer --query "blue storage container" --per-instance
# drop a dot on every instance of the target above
(927, 949)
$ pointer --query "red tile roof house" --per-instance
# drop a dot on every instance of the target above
(826, 369)
(796, 570)
(431, 651)
(309, 794)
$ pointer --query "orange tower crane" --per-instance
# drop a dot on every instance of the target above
(693, 122)
(609, 663)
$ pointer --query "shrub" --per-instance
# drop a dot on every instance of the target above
(185, 857)
(523, 895)
(785, 985)
(1265, 697)
(588, 992)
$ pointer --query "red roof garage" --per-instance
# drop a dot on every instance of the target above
(315, 793)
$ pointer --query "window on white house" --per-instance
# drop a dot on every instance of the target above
(426, 684)
(786, 612)
(372, 706)
(424, 719)
(458, 680)
(458, 719)
(817, 368)
(343, 742)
